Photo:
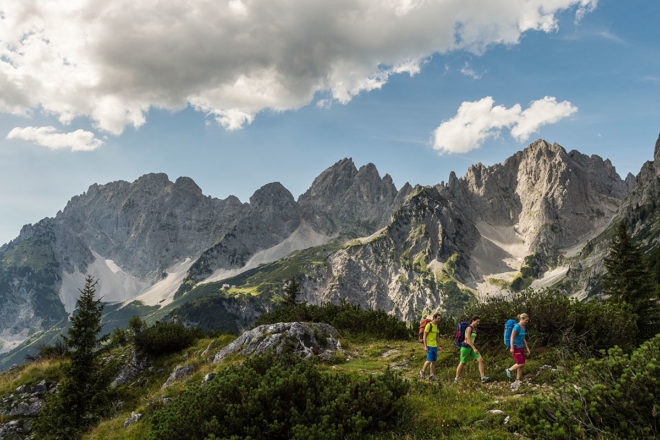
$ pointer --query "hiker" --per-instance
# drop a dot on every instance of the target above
(518, 346)
(469, 351)
(431, 346)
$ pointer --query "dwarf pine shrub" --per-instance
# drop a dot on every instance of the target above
(163, 338)
(282, 398)
(345, 316)
(557, 321)
(611, 397)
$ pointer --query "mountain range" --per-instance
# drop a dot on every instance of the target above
(164, 250)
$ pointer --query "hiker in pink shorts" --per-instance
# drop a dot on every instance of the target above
(518, 346)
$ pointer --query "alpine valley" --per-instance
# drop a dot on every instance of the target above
(165, 251)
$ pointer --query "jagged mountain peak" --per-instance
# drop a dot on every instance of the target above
(269, 194)
(656, 154)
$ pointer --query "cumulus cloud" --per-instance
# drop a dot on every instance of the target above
(476, 121)
(79, 140)
(113, 61)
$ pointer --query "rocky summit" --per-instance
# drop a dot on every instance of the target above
(165, 250)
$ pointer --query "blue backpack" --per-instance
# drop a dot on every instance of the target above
(459, 340)
(508, 328)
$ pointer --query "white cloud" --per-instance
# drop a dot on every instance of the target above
(79, 140)
(476, 121)
(468, 71)
(113, 61)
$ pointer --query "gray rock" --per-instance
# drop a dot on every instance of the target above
(179, 373)
(132, 419)
(301, 338)
(27, 409)
(131, 369)
(208, 377)
(495, 411)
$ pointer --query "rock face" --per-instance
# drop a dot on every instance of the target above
(640, 210)
(300, 338)
(552, 198)
(343, 196)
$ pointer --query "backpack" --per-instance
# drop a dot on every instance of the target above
(460, 334)
(508, 328)
(422, 327)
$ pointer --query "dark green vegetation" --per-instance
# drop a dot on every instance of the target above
(557, 321)
(344, 317)
(611, 397)
(629, 281)
(81, 394)
(271, 398)
(164, 338)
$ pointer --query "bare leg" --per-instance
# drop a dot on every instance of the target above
(519, 371)
(432, 369)
(481, 366)
(459, 369)
(426, 364)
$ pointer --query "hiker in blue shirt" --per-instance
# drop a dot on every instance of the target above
(518, 346)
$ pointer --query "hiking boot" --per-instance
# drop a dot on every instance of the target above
(433, 379)
(457, 379)
(422, 374)
(508, 373)
(485, 379)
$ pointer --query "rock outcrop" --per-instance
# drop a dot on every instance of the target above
(300, 338)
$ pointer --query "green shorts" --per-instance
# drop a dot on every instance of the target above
(467, 353)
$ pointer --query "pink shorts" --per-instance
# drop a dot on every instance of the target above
(519, 355)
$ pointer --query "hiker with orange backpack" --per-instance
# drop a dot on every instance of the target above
(431, 341)
(465, 336)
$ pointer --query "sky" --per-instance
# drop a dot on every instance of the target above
(240, 93)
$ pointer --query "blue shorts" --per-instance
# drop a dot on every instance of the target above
(432, 354)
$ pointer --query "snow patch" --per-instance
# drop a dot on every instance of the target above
(302, 238)
(114, 285)
(9, 341)
(162, 293)
(550, 277)
(113, 267)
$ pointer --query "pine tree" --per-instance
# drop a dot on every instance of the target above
(628, 280)
(82, 390)
(291, 292)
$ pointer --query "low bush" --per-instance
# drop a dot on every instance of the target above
(164, 338)
(557, 321)
(286, 398)
(611, 397)
(345, 316)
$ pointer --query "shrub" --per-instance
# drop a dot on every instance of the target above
(557, 320)
(611, 397)
(164, 338)
(55, 351)
(271, 398)
(345, 316)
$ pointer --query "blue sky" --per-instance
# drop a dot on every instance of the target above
(404, 87)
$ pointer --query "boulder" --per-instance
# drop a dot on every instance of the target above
(300, 338)
(179, 373)
(132, 419)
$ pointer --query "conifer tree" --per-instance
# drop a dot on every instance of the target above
(628, 280)
(291, 292)
(82, 390)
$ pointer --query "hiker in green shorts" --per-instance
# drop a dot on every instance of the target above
(469, 351)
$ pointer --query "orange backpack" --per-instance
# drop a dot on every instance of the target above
(422, 327)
